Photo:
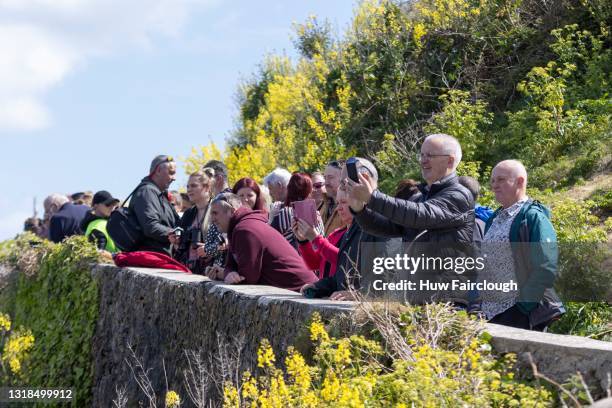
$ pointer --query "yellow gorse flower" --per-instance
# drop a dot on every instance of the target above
(172, 399)
(16, 347)
(298, 370)
(230, 396)
(331, 387)
(317, 329)
(265, 355)
(5, 322)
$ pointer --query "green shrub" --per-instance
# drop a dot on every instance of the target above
(602, 200)
(57, 299)
(593, 319)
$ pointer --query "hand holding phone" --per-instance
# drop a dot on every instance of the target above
(351, 169)
(306, 210)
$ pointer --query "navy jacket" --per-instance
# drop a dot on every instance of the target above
(67, 221)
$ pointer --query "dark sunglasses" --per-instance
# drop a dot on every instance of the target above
(338, 164)
(318, 185)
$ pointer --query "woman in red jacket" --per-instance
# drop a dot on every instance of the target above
(320, 253)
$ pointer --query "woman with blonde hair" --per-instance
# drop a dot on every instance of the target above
(195, 222)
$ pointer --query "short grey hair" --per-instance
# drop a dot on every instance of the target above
(451, 146)
(278, 175)
(228, 200)
(56, 199)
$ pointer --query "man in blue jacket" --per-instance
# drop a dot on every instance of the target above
(64, 217)
(532, 258)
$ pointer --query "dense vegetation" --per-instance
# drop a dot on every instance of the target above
(53, 305)
(524, 79)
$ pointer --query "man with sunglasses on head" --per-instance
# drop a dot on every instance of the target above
(153, 209)
(443, 214)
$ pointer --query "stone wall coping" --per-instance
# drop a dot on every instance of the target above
(268, 294)
(265, 294)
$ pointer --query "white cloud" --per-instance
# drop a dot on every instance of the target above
(43, 41)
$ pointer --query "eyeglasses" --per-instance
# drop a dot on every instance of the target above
(318, 186)
(429, 156)
(338, 164)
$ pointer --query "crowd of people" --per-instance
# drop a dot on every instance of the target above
(263, 233)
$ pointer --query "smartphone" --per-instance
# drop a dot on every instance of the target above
(306, 210)
(351, 169)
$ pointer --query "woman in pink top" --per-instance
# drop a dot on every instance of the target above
(320, 253)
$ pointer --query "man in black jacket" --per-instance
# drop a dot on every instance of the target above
(443, 214)
(152, 208)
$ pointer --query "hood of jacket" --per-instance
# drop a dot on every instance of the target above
(538, 206)
(147, 180)
(530, 205)
(244, 214)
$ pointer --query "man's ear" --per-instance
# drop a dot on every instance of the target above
(520, 181)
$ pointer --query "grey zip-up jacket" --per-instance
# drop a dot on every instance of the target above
(155, 215)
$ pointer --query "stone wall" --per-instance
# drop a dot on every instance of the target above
(162, 314)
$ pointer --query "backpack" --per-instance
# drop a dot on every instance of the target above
(123, 227)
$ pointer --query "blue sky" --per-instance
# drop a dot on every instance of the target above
(91, 90)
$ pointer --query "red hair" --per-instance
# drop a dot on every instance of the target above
(298, 188)
(248, 182)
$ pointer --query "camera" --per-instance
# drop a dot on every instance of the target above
(195, 237)
(178, 231)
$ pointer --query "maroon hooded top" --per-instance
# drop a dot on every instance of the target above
(262, 255)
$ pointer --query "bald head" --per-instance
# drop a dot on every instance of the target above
(515, 168)
(509, 182)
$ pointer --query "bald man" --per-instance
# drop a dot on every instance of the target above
(530, 260)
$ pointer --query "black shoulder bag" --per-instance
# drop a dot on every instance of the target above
(123, 228)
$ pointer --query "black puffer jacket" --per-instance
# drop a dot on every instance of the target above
(444, 213)
(155, 215)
